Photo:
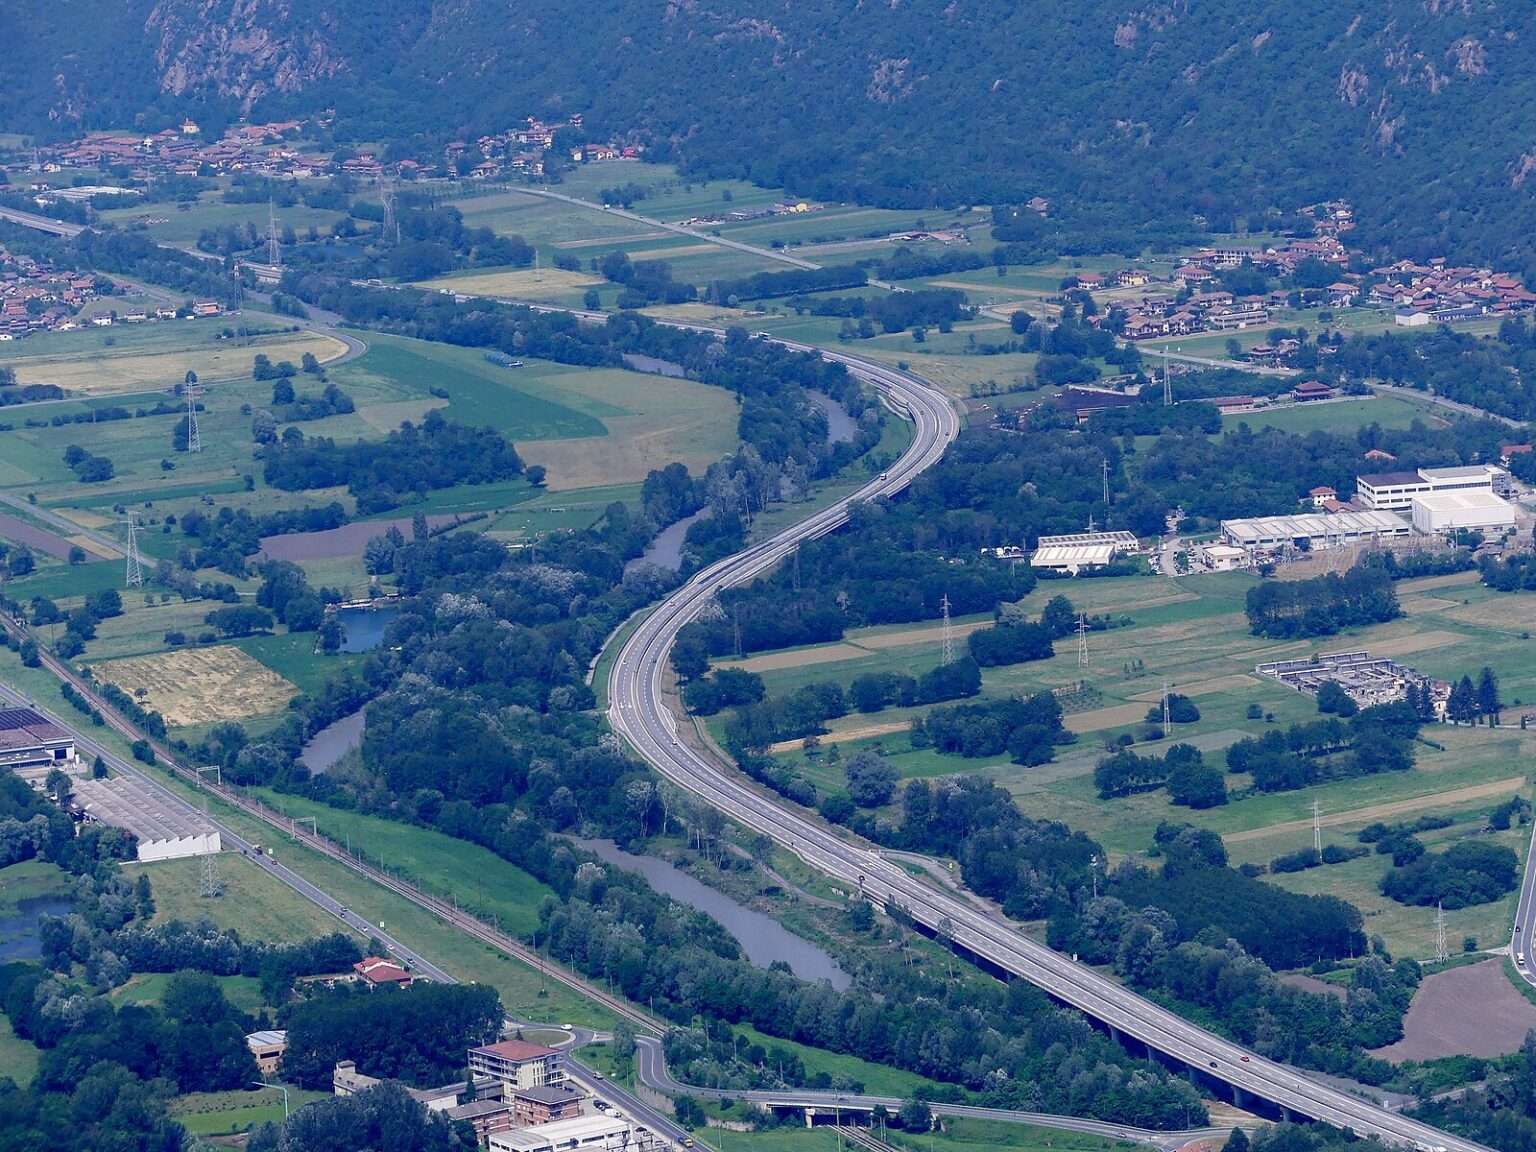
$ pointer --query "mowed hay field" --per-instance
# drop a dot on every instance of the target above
(588, 426)
(1193, 634)
(200, 685)
(522, 283)
(97, 369)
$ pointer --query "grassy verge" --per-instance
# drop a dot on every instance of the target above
(878, 1079)
(481, 881)
(253, 903)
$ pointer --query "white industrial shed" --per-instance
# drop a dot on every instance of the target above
(166, 831)
(1081, 550)
(1318, 530)
(1440, 512)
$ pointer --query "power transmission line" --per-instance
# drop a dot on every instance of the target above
(274, 249)
(133, 573)
(210, 885)
(194, 434)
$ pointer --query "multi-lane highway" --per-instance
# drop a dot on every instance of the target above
(651, 1070)
(1525, 917)
(638, 711)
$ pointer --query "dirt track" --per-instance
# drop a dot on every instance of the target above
(1382, 811)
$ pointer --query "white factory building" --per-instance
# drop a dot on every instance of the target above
(600, 1133)
(1441, 513)
(1081, 550)
(1313, 530)
(165, 830)
(1396, 491)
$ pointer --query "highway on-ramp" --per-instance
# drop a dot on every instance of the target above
(637, 711)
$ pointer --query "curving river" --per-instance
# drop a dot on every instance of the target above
(762, 938)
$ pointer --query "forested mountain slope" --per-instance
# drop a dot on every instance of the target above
(1420, 111)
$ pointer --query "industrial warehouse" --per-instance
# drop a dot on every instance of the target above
(1081, 550)
(32, 745)
(166, 831)
(1432, 502)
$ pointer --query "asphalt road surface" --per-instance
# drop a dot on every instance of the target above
(637, 711)
(1525, 917)
(651, 1070)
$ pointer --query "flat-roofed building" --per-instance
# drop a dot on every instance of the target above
(32, 745)
(267, 1048)
(1439, 513)
(1396, 491)
(1312, 531)
(543, 1103)
(596, 1132)
(165, 829)
(1081, 550)
(1224, 557)
(518, 1064)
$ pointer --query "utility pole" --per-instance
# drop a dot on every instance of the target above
(1093, 870)
(1317, 827)
(1441, 951)
(1167, 382)
(1167, 712)
(1082, 640)
(947, 651)
(1106, 486)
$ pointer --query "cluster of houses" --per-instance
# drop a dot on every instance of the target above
(276, 150)
(36, 297)
(1438, 292)
(264, 149)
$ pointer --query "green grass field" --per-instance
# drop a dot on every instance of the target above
(878, 1079)
(477, 878)
(1339, 417)
(19, 1058)
(244, 992)
(178, 227)
(524, 993)
(227, 1113)
(588, 427)
(1192, 634)
(254, 904)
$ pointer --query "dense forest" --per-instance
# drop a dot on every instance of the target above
(1257, 105)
